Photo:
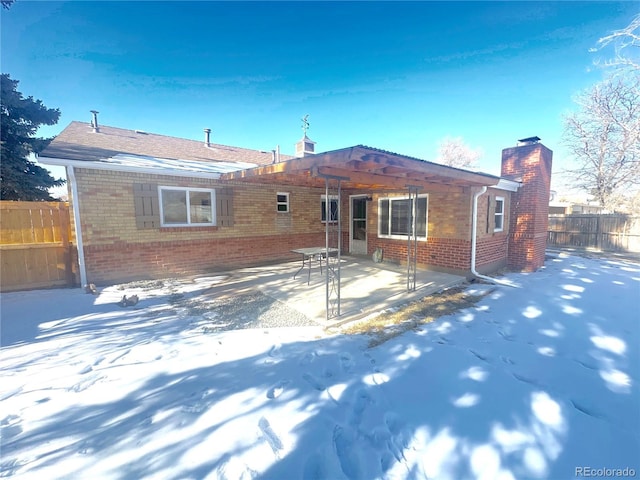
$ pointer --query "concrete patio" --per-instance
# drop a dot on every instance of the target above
(366, 287)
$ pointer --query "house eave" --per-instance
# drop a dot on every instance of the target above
(105, 165)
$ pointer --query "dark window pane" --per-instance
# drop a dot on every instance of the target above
(359, 208)
(384, 217)
(399, 220)
(333, 206)
(334, 210)
(421, 217)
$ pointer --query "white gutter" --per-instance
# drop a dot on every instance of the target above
(474, 242)
(103, 165)
(76, 223)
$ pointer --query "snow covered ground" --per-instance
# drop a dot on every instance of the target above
(533, 382)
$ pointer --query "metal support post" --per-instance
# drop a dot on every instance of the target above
(333, 246)
(412, 238)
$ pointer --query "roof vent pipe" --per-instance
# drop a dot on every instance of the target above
(94, 121)
(207, 131)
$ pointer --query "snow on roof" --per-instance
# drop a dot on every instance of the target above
(168, 164)
(155, 165)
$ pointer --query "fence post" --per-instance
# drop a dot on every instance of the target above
(65, 238)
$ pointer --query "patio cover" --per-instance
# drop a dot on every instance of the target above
(364, 167)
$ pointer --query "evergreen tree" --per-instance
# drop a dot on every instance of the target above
(20, 178)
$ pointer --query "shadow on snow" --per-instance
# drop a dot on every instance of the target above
(523, 386)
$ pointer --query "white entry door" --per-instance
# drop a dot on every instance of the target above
(358, 224)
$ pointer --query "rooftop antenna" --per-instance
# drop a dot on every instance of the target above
(305, 145)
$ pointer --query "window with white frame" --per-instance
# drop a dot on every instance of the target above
(186, 207)
(499, 215)
(282, 202)
(333, 209)
(393, 217)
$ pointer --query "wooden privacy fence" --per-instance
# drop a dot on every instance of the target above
(35, 245)
(614, 232)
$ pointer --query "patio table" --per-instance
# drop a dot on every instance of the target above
(312, 253)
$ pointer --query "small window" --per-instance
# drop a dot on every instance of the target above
(180, 207)
(282, 202)
(333, 209)
(393, 217)
(499, 215)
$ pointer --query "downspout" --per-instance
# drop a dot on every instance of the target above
(76, 223)
(474, 242)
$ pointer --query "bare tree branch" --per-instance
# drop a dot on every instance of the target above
(603, 136)
(626, 47)
(453, 152)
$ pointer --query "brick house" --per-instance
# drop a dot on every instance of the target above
(152, 206)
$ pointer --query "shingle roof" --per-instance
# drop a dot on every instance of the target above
(79, 142)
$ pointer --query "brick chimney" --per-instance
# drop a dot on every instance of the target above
(529, 163)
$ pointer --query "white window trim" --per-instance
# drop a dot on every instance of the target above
(323, 199)
(496, 214)
(285, 203)
(402, 237)
(211, 191)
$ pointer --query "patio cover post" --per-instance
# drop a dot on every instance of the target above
(333, 235)
(412, 238)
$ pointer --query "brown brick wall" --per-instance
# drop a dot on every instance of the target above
(116, 250)
(123, 261)
(108, 216)
(446, 253)
(448, 244)
(491, 253)
(492, 246)
(448, 216)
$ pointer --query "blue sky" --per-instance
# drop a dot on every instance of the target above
(398, 76)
